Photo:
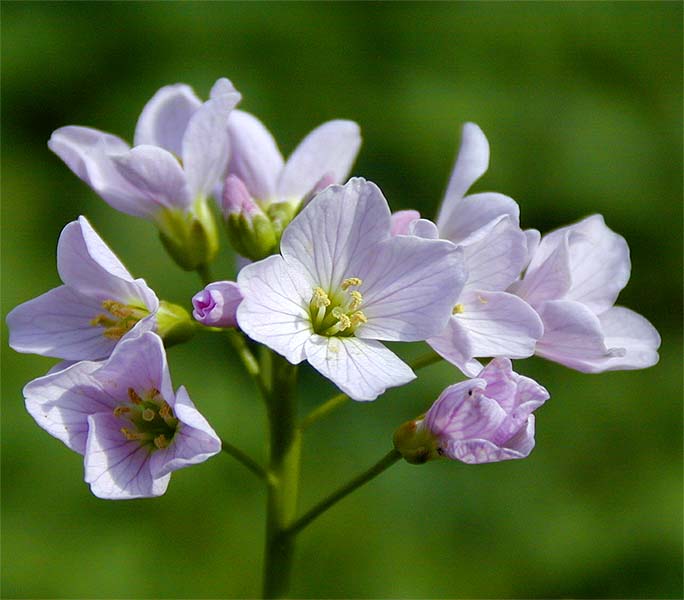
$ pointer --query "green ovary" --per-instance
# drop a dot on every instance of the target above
(337, 313)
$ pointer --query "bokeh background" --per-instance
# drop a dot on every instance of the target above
(582, 104)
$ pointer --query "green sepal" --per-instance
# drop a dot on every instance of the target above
(174, 324)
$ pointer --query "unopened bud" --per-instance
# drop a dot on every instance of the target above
(174, 324)
(250, 231)
(216, 305)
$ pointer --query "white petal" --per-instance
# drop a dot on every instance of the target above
(401, 220)
(454, 345)
(362, 369)
(494, 262)
(254, 155)
(409, 288)
(424, 228)
(274, 310)
(336, 232)
(116, 468)
(60, 402)
(157, 177)
(475, 215)
(499, 324)
(205, 142)
(533, 238)
(165, 117)
(330, 148)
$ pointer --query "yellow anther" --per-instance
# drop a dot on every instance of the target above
(117, 309)
(166, 413)
(357, 300)
(116, 333)
(357, 318)
(148, 414)
(121, 410)
(133, 396)
(458, 309)
(351, 281)
(134, 435)
(320, 298)
(160, 441)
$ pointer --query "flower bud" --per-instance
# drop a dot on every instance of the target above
(415, 442)
(216, 305)
(174, 324)
(250, 231)
(190, 238)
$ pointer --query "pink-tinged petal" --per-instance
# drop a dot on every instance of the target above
(254, 155)
(87, 265)
(523, 441)
(573, 336)
(409, 287)
(453, 344)
(548, 278)
(337, 232)
(476, 452)
(330, 148)
(400, 221)
(138, 363)
(476, 215)
(274, 311)
(499, 324)
(60, 402)
(157, 177)
(362, 369)
(424, 228)
(448, 413)
(471, 163)
(599, 263)
(194, 442)
(58, 323)
(205, 142)
(501, 382)
(165, 117)
(116, 468)
(216, 305)
(496, 260)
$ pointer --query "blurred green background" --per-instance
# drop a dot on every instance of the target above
(582, 104)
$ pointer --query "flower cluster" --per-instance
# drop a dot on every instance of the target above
(328, 274)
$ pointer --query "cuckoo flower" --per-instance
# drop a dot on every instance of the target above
(99, 304)
(487, 419)
(342, 282)
(125, 418)
(216, 304)
(573, 280)
(180, 154)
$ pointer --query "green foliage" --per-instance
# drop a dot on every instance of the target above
(582, 104)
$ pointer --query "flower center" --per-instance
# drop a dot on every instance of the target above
(120, 320)
(149, 418)
(337, 313)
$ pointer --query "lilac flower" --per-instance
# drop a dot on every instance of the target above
(216, 305)
(488, 419)
(573, 280)
(486, 320)
(342, 283)
(99, 304)
(124, 417)
(180, 153)
(323, 157)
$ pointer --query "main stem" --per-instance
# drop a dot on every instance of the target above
(285, 450)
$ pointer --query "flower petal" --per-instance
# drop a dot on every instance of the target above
(330, 148)
(499, 324)
(453, 344)
(116, 468)
(440, 415)
(274, 310)
(165, 117)
(194, 442)
(409, 287)
(254, 155)
(216, 305)
(495, 261)
(362, 369)
(400, 221)
(424, 228)
(337, 232)
(476, 452)
(157, 178)
(60, 402)
(205, 142)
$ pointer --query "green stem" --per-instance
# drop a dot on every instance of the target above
(330, 405)
(245, 459)
(248, 359)
(285, 451)
(384, 463)
(204, 271)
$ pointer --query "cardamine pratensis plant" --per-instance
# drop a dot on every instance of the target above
(328, 274)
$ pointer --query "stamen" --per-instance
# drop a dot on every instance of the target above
(351, 281)
(148, 414)
(133, 396)
(135, 435)
(116, 333)
(357, 300)
(117, 309)
(166, 413)
(320, 298)
(102, 321)
(357, 318)
(458, 309)
(121, 410)
(160, 441)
